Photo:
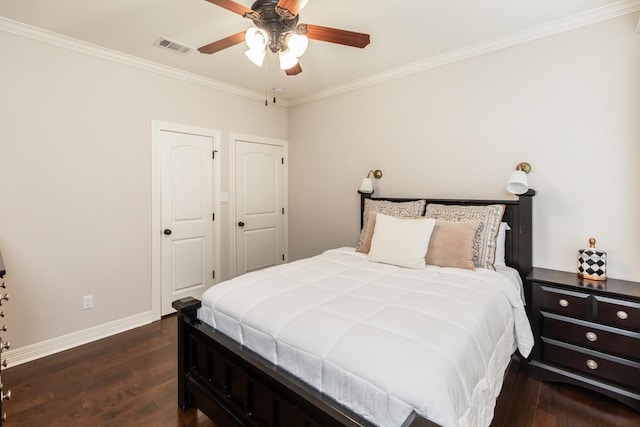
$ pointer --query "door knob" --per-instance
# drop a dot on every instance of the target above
(167, 231)
(241, 224)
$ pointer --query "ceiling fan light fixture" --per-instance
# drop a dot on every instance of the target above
(256, 56)
(256, 38)
(287, 59)
(297, 43)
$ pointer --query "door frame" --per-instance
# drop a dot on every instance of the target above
(156, 204)
(233, 139)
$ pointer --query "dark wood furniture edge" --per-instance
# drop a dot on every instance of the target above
(311, 407)
(2, 392)
(2, 270)
(571, 281)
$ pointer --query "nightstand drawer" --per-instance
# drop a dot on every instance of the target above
(614, 312)
(568, 303)
(609, 368)
(588, 335)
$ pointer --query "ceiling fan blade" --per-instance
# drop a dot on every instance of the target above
(290, 8)
(232, 6)
(221, 44)
(296, 69)
(333, 35)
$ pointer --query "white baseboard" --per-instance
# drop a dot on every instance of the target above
(55, 345)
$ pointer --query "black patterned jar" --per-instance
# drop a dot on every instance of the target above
(592, 263)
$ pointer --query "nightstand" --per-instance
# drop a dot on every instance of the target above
(587, 333)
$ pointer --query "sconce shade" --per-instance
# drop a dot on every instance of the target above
(366, 186)
(518, 183)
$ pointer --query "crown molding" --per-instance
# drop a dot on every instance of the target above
(56, 39)
(604, 13)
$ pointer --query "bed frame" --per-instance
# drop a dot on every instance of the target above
(236, 387)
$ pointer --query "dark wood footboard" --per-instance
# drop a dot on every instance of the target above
(236, 387)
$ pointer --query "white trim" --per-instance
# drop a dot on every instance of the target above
(614, 10)
(70, 43)
(284, 144)
(156, 205)
(75, 339)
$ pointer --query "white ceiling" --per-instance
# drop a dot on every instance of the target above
(403, 34)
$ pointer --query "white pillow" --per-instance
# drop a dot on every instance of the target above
(401, 241)
(500, 243)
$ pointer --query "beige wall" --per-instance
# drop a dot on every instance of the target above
(569, 104)
(75, 180)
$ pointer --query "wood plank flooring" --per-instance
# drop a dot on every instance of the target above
(130, 380)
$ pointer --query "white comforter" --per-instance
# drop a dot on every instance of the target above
(381, 340)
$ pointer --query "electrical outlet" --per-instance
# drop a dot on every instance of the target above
(87, 302)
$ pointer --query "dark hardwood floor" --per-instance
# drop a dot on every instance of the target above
(130, 380)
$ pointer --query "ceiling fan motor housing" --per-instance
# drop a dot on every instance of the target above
(276, 25)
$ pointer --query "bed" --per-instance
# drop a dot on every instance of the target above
(266, 383)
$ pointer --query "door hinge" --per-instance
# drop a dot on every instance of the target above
(213, 154)
(213, 273)
(213, 217)
(282, 211)
(283, 257)
(282, 160)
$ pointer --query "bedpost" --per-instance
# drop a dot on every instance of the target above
(525, 254)
(526, 238)
(186, 308)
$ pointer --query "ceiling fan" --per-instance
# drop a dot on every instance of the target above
(277, 29)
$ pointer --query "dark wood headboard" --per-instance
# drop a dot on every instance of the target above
(517, 213)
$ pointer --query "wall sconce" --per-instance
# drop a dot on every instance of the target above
(366, 187)
(518, 183)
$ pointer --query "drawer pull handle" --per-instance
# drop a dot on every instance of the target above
(592, 364)
(591, 336)
(563, 302)
(622, 315)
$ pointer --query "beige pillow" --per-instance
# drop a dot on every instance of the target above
(401, 241)
(403, 209)
(451, 244)
(484, 242)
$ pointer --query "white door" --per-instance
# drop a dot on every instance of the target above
(260, 205)
(186, 216)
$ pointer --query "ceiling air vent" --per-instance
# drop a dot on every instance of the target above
(173, 45)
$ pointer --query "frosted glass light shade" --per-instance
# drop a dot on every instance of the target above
(297, 43)
(366, 186)
(518, 183)
(256, 38)
(256, 56)
(287, 59)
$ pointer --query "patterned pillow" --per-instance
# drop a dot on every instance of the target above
(413, 208)
(484, 241)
